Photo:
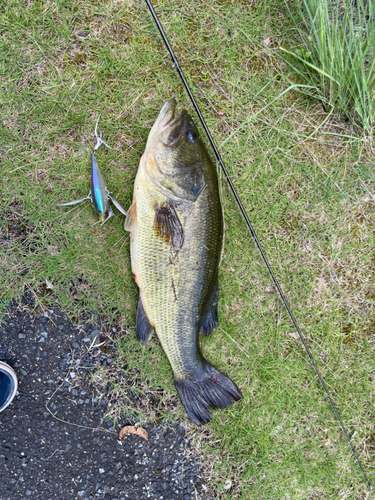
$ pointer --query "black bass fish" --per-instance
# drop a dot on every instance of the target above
(176, 231)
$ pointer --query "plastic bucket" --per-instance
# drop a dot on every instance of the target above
(8, 385)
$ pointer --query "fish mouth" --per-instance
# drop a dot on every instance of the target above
(168, 124)
(167, 114)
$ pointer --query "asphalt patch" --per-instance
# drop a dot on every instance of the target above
(42, 457)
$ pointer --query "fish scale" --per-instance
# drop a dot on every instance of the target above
(176, 325)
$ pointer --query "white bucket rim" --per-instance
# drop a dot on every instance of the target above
(5, 368)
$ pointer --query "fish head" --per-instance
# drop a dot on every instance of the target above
(174, 153)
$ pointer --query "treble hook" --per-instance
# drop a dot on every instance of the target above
(99, 140)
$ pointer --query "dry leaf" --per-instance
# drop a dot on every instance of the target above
(130, 429)
(221, 112)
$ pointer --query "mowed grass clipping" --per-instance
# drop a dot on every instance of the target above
(305, 180)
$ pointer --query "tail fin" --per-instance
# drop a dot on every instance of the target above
(211, 388)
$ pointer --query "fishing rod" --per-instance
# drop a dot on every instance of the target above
(255, 239)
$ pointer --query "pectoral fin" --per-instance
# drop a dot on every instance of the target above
(131, 218)
(144, 329)
(168, 226)
(210, 319)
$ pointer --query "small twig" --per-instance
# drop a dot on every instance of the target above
(66, 213)
(39, 303)
(96, 345)
(19, 479)
(18, 168)
(56, 451)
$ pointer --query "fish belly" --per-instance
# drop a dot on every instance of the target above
(159, 275)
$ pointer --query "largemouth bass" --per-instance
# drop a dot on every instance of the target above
(176, 233)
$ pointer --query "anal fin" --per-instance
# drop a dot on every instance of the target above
(144, 329)
(210, 319)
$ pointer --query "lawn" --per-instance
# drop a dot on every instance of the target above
(305, 177)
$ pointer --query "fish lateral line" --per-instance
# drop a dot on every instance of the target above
(174, 291)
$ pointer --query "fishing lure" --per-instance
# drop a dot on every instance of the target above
(99, 194)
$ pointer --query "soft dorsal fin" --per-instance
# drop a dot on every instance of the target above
(210, 318)
(168, 226)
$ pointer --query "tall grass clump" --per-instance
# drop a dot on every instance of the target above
(337, 54)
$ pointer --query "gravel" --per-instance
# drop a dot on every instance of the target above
(41, 457)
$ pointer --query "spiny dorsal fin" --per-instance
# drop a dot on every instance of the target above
(168, 226)
(131, 217)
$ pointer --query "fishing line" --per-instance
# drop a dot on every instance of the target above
(255, 239)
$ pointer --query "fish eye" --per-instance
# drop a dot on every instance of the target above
(191, 136)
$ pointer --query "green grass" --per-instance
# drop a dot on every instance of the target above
(306, 182)
(335, 51)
